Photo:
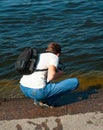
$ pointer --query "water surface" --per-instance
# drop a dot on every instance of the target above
(76, 25)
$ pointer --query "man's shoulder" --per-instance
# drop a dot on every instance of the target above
(49, 54)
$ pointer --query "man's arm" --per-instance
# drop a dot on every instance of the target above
(53, 73)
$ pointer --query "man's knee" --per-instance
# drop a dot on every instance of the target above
(76, 81)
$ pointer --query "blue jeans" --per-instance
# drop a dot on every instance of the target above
(51, 90)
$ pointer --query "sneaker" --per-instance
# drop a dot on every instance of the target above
(42, 105)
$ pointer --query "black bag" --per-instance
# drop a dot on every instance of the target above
(27, 61)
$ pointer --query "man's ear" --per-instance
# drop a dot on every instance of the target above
(58, 54)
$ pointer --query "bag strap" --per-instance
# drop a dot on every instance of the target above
(41, 70)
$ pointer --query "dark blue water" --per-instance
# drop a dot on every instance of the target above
(76, 25)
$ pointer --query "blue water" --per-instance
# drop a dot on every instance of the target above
(77, 25)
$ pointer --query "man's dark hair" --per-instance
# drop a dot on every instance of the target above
(54, 48)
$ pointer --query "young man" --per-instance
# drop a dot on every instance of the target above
(39, 86)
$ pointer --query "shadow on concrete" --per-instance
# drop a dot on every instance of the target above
(75, 96)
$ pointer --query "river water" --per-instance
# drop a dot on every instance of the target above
(77, 25)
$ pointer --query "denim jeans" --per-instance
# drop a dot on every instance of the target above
(51, 90)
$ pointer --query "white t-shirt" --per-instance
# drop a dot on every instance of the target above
(39, 79)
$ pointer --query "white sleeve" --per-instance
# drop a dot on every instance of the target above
(53, 60)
